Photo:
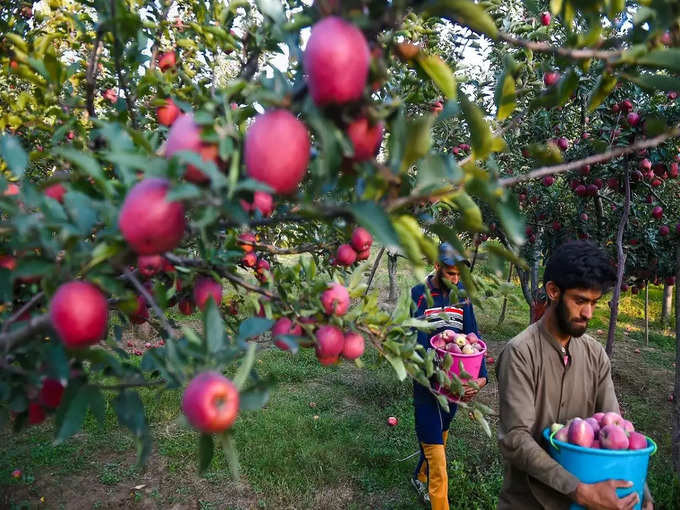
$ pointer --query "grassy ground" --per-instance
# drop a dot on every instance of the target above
(322, 441)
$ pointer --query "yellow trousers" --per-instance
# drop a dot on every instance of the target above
(433, 473)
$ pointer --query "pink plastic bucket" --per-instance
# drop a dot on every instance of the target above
(472, 363)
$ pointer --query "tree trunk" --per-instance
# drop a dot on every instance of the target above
(666, 303)
(474, 258)
(621, 261)
(675, 439)
(505, 299)
(534, 274)
(647, 313)
(392, 272)
(524, 282)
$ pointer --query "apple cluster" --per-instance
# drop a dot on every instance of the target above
(357, 250)
(457, 343)
(606, 431)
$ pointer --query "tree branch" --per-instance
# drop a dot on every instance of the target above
(154, 46)
(91, 75)
(275, 250)
(572, 53)
(122, 386)
(591, 160)
(150, 300)
(122, 80)
(21, 311)
(35, 325)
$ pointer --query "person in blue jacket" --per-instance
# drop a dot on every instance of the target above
(447, 311)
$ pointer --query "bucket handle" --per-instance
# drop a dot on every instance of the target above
(654, 445)
(552, 442)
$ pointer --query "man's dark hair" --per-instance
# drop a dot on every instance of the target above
(580, 265)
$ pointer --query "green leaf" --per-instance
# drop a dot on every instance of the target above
(272, 8)
(206, 450)
(86, 163)
(253, 399)
(505, 96)
(246, 366)
(418, 324)
(13, 154)
(291, 341)
(440, 73)
(226, 439)
(418, 140)
(482, 421)
(506, 254)
(438, 171)
(75, 413)
(480, 132)
(253, 326)
(398, 365)
(104, 251)
(130, 411)
(33, 266)
(512, 222)
(668, 58)
(464, 12)
(471, 218)
(81, 210)
(605, 84)
(374, 219)
(655, 82)
(214, 328)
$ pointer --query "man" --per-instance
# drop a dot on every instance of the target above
(432, 422)
(551, 372)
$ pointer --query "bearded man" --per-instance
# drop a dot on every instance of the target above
(552, 372)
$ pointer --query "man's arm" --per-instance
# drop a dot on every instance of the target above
(517, 418)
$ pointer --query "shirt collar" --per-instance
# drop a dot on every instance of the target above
(551, 340)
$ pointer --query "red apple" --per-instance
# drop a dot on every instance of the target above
(657, 212)
(262, 202)
(79, 313)
(345, 256)
(248, 237)
(673, 171)
(11, 190)
(185, 306)
(141, 313)
(168, 113)
(262, 269)
(584, 170)
(562, 435)
(50, 393)
(545, 18)
(580, 190)
(627, 427)
(16, 474)
(36, 413)
(392, 421)
(591, 189)
(637, 441)
(56, 191)
(664, 230)
(149, 223)
(563, 143)
(149, 265)
(110, 95)
(611, 418)
(335, 299)
(277, 150)
(633, 119)
(365, 138)
(581, 433)
(210, 402)
(354, 345)
(363, 255)
(613, 437)
(556, 225)
(595, 425)
(284, 326)
(626, 105)
(336, 62)
(583, 217)
(185, 135)
(437, 107)
(548, 180)
(206, 288)
(645, 165)
(329, 344)
(167, 60)
(361, 239)
(596, 444)
(249, 259)
(551, 78)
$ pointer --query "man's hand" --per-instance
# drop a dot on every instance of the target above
(602, 495)
(471, 392)
(647, 505)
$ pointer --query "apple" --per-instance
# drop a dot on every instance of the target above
(284, 326)
(468, 349)
(627, 427)
(595, 425)
(329, 344)
(581, 433)
(353, 346)
(261, 269)
(611, 418)
(36, 413)
(563, 435)
(185, 135)
(657, 212)
(336, 62)
(186, 306)
(472, 338)
(277, 150)
(345, 256)
(557, 226)
(392, 421)
(626, 105)
(168, 113)
(149, 265)
(149, 223)
(545, 18)
(460, 339)
(673, 171)
(248, 237)
(361, 239)
(548, 180)
(613, 437)
(141, 313)
(453, 347)
(79, 314)
(664, 230)
(583, 217)
(11, 190)
(365, 138)
(580, 190)
(637, 441)
(550, 78)
(448, 335)
(167, 60)
(596, 444)
(364, 255)
(249, 259)
(206, 288)
(110, 95)
(16, 474)
(555, 427)
(50, 393)
(56, 191)
(437, 107)
(645, 165)
(262, 202)
(633, 119)
(210, 402)
(335, 299)
(563, 143)
(591, 190)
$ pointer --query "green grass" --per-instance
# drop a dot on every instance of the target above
(322, 440)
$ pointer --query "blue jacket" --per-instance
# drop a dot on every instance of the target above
(460, 317)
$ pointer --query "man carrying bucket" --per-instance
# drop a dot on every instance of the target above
(430, 478)
(552, 372)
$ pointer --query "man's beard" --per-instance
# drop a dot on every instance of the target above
(563, 322)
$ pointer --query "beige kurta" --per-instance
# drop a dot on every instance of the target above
(537, 389)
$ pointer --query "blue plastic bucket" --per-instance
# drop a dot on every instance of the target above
(592, 465)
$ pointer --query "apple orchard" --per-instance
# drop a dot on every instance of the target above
(159, 154)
